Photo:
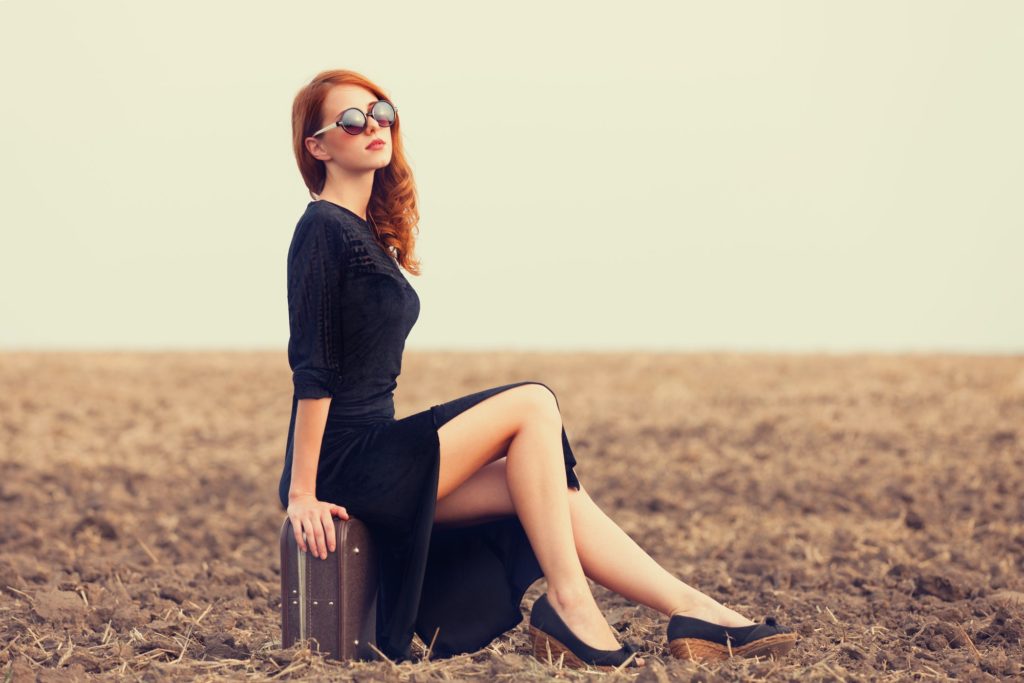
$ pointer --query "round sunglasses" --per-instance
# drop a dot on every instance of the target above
(353, 121)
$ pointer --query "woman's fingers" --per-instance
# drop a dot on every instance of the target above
(303, 531)
(316, 527)
(329, 531)
(308, 540)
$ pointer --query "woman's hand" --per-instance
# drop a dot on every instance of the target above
(313, 517)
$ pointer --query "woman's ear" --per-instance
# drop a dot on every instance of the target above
(315, 149)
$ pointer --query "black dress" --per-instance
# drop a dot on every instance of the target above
(350, 310)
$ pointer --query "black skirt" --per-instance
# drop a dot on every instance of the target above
(460, 587)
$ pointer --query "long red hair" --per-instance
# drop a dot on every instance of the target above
(392, 207)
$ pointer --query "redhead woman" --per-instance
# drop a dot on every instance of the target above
(474, 499)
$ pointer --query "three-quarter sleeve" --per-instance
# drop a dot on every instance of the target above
(314, 316)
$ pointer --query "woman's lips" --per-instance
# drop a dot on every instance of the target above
(376, 144)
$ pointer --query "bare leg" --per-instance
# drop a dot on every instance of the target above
(618, 563)
(522, 427)
(607, 554)
(535, 472)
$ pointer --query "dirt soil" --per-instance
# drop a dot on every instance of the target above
(871, 502)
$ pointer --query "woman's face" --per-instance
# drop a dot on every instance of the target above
(351, 152)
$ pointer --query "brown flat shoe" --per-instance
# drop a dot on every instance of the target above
(702, 641)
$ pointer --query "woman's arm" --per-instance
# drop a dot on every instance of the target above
(310, 420)
(311, 518)
(314, 344)
(315, 260)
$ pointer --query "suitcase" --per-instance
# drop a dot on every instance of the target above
(332, 601)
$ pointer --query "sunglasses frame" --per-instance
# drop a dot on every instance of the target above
(367, 115)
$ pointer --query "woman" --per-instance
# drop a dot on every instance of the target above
(472, 500)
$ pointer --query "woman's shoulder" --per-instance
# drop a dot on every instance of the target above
(322, 210)
(324, 223)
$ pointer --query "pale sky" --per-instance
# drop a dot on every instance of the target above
(762, 176)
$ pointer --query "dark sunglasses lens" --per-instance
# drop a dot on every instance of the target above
(353, 121)
(384, 113)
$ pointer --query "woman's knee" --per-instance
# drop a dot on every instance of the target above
(541, 400)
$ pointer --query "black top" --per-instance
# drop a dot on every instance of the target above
(356, 358)
(350, 310)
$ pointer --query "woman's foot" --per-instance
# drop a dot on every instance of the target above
(582, 615)
(697, 640)
(708, 609)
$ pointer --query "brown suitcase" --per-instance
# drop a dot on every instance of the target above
(332, 601)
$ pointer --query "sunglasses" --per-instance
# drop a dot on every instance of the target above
(353, 121)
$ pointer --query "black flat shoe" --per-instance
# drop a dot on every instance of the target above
(698, 640)
(551, 638)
